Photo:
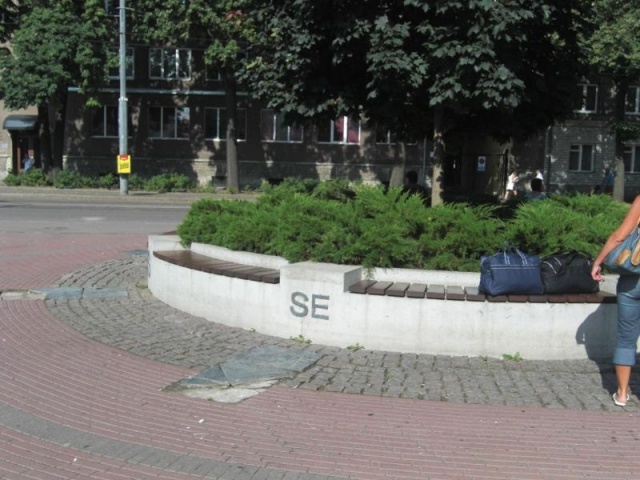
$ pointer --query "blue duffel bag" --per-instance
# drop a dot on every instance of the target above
(510, 272)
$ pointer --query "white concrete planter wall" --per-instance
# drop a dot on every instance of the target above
(312, 300)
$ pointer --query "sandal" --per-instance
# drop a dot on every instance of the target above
(618, 402)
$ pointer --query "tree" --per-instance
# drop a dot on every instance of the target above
(419, 66)
(222, 29)
(56, 44)
(614, 46)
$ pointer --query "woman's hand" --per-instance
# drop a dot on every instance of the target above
(596, 272)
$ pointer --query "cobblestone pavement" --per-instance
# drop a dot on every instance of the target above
(145, 326)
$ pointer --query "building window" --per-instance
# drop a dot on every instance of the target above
(114, 71)
(273, 128)
(212, 74)
(215, 123)
(581, 158)
(170, 63)
(342, 130)
(104, 122)
(111, 7)
(169, 122)
(387, 137)
(633, 101)
(632, 158)
(587, 98)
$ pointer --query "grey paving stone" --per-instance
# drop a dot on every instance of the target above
(142, 325)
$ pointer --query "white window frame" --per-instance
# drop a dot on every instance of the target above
(346, 121)
(579, 150)
(129, 65)
(221, 134)
(633, 102)
(104, 111)
(632, 158)
(293, 134)
(168, 56)
(167, 131)
(586, 88)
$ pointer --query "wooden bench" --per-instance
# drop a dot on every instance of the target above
(203, 263)
(442, 292)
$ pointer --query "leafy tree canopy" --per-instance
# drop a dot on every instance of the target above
(222, 28)
(514, 62)
(56, 45)
(614, 40)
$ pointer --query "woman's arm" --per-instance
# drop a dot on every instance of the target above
(617, 237)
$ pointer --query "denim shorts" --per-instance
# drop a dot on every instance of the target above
(628, 293)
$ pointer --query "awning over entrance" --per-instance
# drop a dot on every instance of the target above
(20, 122)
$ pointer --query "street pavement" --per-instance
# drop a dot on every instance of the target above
(88, 358)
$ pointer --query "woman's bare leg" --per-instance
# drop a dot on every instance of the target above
(623, 374)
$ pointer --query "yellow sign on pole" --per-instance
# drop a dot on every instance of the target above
(124, 164)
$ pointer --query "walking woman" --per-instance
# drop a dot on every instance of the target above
(628, 296)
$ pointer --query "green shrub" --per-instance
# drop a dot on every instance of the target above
(169, 182)
(371, 227)
(12, 180)
(34, 177)
(71, 179)
(456, 235)
(109, 181)
(135, 182)
(577, 222)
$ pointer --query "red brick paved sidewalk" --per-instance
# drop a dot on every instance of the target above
(71, 407)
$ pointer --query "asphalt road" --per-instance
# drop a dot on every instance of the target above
(32, 210)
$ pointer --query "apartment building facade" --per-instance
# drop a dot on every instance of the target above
(177, 117)
(578, 150)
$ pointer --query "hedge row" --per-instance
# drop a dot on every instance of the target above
(370, 226)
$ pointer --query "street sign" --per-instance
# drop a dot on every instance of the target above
(124, 164)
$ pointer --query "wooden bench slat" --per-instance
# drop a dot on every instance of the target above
(436, 291)
(361, 286)
(518, 298)
(379, 288)
(398, 289)
(455, 293)
(474, 295)
(416, 290)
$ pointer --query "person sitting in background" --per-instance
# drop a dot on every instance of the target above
(536, 192)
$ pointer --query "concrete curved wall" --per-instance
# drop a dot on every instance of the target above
(312, 301)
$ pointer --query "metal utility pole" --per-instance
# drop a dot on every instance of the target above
(122, 103)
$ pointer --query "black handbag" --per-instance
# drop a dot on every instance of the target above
(568, 272)
(510, 272)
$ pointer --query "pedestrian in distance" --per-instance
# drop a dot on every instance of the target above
(607, 180)
(512, 183)
(628, 299)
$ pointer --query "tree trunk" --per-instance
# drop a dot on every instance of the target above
(399, 167)
(233, 182)
(619, 118)
(44, 133)
(59, 116)
(438, 157)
